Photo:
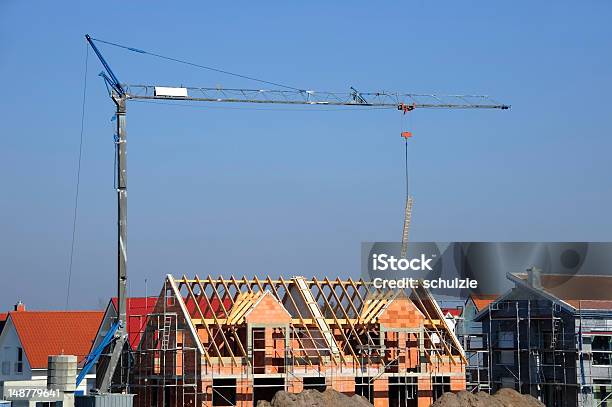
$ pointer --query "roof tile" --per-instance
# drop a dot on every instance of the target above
(44, 333)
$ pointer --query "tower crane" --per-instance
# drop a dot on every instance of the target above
(120, 93)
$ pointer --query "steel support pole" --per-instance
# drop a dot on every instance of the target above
(121, 185)
(122, 213)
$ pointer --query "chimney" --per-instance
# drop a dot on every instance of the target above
(534, 276)
(20, 306)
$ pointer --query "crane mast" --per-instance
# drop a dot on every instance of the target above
(122, 93)
(119, 97)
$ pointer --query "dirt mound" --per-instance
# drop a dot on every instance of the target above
(503, 398)
(314, 398)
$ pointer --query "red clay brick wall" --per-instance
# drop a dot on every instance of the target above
(344, 385)
(381, 392)
(268, 311)
(244, 393)
(401, 313)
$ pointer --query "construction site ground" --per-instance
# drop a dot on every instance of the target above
(309, 398)
(503, 398)
(332, 398)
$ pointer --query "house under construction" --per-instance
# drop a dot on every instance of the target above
(232, 342)
(551, 337)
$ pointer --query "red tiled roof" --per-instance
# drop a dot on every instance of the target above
(208, 311)
(580, 291)
(482, 301)
(44, 333)
(456, 312)
(138, 309)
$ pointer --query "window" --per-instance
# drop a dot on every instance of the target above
(441, 385)
(19, 364)
(505, 357)
(224, 392)
(507, 382)
(602, 343)
(169, 298)
(601, 347)
(601, 359)
(315, 383)
(403, 392)
(156, 362)
(506, 339)
(476, 342)
(364, 386)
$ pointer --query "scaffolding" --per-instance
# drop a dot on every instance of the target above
(476, 347)
(166, 363)
(537, 347)
(229, 341)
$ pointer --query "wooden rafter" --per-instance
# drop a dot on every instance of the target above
(217, 324)
(339, 302)
(232, 328)
(275, 292)
(199, 310)
(297, 310)
(337, 322)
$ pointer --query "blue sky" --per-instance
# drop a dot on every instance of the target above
(242, 191)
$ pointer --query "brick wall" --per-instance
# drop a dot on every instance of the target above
(268, 310)
(401, 313)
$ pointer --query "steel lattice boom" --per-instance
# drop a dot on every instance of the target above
(402, 101)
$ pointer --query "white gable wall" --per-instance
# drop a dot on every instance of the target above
(9, 345)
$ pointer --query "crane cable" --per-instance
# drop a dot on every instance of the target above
(182, 61)
(408, 208)
(78, 177)
(406, 135)
(406, 167)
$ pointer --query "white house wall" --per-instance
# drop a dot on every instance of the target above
(9, 343)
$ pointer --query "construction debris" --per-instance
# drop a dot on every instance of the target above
(309, 398)
(503, 398)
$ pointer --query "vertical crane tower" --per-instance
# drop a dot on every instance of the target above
(121, 93)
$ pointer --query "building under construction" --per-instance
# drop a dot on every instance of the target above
(551, 337)
(233, 342)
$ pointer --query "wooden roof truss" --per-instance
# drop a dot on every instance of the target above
(350, 308)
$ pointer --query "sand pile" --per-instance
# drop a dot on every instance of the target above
(503, 398)
(314, 398)
(331, 398)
